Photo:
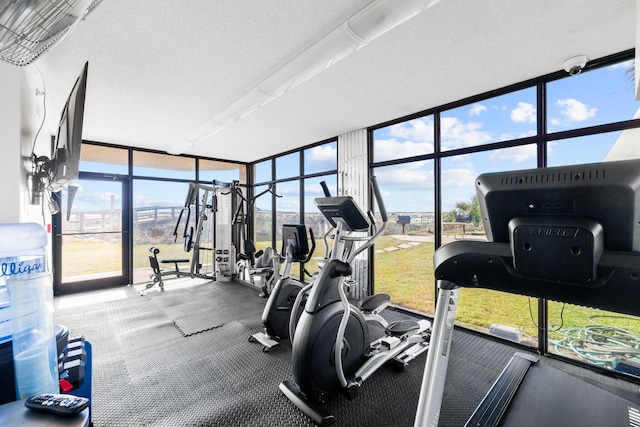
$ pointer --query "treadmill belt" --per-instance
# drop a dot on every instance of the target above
(495, 403)
(550, 397)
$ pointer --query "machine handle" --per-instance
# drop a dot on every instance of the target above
(378, 196)
(313, 247)
(327, 193)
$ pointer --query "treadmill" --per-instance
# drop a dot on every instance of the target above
(568, 234)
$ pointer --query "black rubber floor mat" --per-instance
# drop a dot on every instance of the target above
(199, 322)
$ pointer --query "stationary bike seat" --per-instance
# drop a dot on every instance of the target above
(370, 303)
(402, 327)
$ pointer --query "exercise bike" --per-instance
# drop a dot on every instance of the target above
(331, 348)
(277, 312)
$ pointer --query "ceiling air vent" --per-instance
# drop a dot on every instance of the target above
(29, 28)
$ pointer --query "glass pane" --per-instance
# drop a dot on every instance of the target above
(604, 95)
(287, 211)
(96, 158)
(263, 172)
(263, 216)
(314, 219)
(505, 117)
(407, 139)
(586, 334)
(91, 256)
(594, 148)
(481, 309)
(156, 209)
(321, 158)
(221, 171)
(92, 234)
(288, 166)
(605, 339)
(163, 165)
(404, 254)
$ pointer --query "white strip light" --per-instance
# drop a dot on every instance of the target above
(374, 20)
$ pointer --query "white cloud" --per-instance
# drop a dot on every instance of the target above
(407, 139)
(574, 110)
(524, 113)
(555, 122)
(408, 187)
(477, 109)
(509, 136)
(514, 154)
(321, 154)
(458, 134)
(411, 175)
(388, 149)
(626, 64)
(416, 130)
(287, 190)
(459, 178)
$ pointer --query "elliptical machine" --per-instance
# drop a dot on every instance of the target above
(277, 312)
(331, 349)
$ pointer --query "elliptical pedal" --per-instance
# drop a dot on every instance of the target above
(402, 327)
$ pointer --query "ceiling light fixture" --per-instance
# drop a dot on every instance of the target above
(371, 22)
(29, 28)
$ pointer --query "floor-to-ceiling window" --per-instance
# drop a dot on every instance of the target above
(403, 256)
(319, 164)
(427, 164)
(90, 231)
(296, 181)
(128, 200)
(587, 120)
(159, 190)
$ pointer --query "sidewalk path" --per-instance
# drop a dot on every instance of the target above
(416, 240)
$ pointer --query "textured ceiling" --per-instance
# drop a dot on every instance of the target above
(158, 70)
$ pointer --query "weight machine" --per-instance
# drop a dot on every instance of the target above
(220, 230)
(252, 263)
(193, 236)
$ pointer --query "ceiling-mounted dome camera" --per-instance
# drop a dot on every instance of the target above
(575, 65)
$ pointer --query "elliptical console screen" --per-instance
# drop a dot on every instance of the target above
(343, 209)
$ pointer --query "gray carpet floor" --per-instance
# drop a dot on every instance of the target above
(181, 357)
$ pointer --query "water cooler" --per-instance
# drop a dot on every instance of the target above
(28, 348)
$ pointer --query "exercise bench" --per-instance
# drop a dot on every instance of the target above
(159, 273)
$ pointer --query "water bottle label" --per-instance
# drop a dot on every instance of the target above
(13, 268)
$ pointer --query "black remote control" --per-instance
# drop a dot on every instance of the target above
(61, 404)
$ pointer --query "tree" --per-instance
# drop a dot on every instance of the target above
(472, 209)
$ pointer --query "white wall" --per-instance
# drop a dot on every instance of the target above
(10, 165)
(21, 113)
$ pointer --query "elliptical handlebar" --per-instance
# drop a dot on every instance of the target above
(377, 232)
(379, 201)
(313, 247)
(325, 189)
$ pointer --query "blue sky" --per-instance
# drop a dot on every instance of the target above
(600, 96)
